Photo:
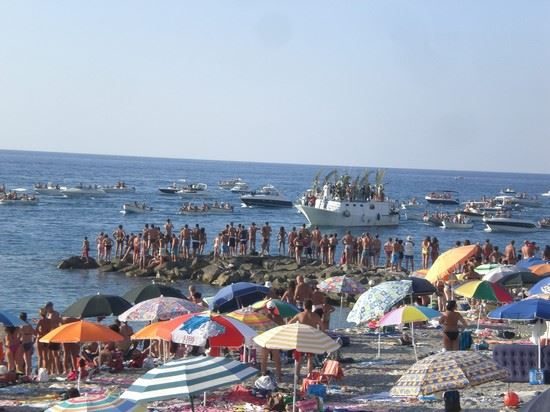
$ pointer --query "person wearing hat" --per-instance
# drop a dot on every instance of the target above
(408, 249)
(271, 294)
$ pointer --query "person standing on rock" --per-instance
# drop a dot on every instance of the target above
(266, 236)
(408, 249)
(316, 237)
(376, 247)
(85, 250)
(303, 292)
(185, 240)
(99, 246)
(119, 236)
(252, 237)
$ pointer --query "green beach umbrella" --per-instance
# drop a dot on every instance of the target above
(97, 305)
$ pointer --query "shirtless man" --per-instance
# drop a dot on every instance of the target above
(292, 236)
(119, 236)
(54, 348)
(333, 241)
(348, 246)
(99, 245)
(27, 334)
(318, 298)
(510, 253)
(376, 246)
(266, 236)
(85, 249)
(450, 320)
(168, 227)
(185, 241)
(232, 240)
(275, 354)
(252, 237)
(303, 292)
(308, 317)
(316, 242)
(195, 239)
(324, 246)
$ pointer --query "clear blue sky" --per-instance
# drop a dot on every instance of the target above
(420, 84)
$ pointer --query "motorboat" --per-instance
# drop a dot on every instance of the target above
(472, 213)
(524, 199)
(434, 219)
(544, 223)
(48, 189)
(442, 197)
(170, 190)
(457, 222)
(240, 187)
(229, 183)
(206, 209)
(411, 204)
(135, 207)
(267, 196)
(509, 224)
(83, 191)
(344, 204)
(119, 188)
(193, 189)
(546, 194)
(13, 199)
(508, 191)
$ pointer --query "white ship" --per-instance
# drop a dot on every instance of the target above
(349, 205)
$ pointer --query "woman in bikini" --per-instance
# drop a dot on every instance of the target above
(12, 343)
(27, 342)
(43, 327)
(450, 321)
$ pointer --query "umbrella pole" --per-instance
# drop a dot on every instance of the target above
(204, 399)
(479, 316)
(191, 400)
(295, 384)
(379, 341)
(341, 310)
(413, 342)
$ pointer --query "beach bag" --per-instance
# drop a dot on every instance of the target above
(537, 376)
(465, 340)
(310, 405)
(42, 375)
(452, 401)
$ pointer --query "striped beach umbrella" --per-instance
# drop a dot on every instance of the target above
(187, 377)
(486, 268)
(408, 314)
(97, 402)
(299, 337)
(256, 320)
(283, 309)
(447, 371)
(160, 308)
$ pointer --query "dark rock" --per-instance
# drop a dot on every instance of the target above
(75, 262)
(107, 267)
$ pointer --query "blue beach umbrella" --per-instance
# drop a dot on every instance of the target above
(238, 295)
(532, 261)
(542, 286)
(9, 319)
(527, 309)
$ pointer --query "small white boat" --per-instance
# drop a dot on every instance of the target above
(48, 189)
(25, 200)
(119, 188)
(229, 183)
(240, 187)
(193, 189)
(457, 222)
(443, 197)
(545, 223)
(509, 224)
(83, 191)
(135, 207)
(508, 191)
(546, 194)
(267, 196)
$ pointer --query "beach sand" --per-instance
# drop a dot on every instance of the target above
(367, 375)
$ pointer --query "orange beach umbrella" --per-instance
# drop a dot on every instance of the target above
(445, 264)
(541, 270)
(81, 331)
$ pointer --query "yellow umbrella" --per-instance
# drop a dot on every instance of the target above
(256, 320)
(446, 263)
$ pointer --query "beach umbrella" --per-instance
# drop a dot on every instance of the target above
(9, 319)
(494, 275)
(542, 269)
(256, 320)
(542, 286)
(341, 284)
(486, 268)
(299, 337)
(150, 291)
(447, 371)
(408, 314)
(81, 331)
(532, 261)
(187, 377)
(219, 330)
(538, 403)
(97, 402)
(238, 295)
(283, 309)
(420, 287)
(447, 262)
(159, 308)
(483, 290)
(420, 273)
(92, 306)
(378, 300)
(537, 310)
(519, 279)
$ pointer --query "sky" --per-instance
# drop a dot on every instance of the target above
(460, 85)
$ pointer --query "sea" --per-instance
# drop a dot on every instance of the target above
(34, 239)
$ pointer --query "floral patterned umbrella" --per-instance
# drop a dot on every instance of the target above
(341, 284)
(447, 371)
(378, 300)
(161, 308)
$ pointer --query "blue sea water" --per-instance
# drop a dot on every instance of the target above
(35, 238)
